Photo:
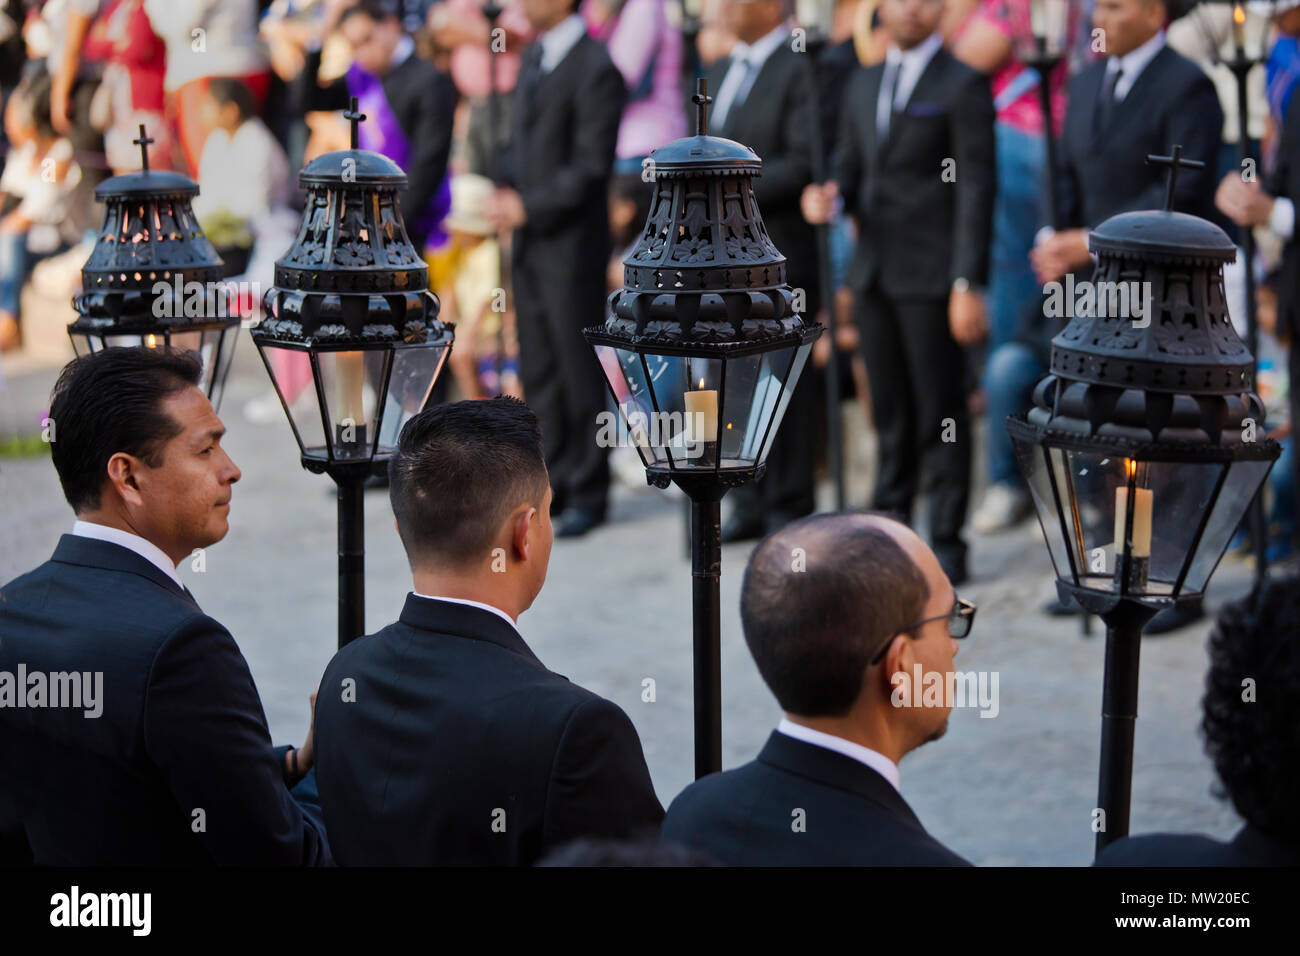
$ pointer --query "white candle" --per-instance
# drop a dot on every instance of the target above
(1038, 17)
(1141, 521)
(1238, 28)
(351, 376)
(702, 414)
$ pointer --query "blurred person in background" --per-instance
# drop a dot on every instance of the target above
(130, 92)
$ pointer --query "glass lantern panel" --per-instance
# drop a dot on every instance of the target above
(1239, 489)
(351, 383)
(777, 363)
(738, 411)
(1182, 496)
(415, 369)
(1033, 459)
(686, 389)
(194, 342)
(226, 341)
(627, 384)
(83, 344)
(1086, 483)
(290, 371)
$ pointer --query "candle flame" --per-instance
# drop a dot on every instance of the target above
(151, 341)
(1131, 466)
(701, 385)
(1238, 14)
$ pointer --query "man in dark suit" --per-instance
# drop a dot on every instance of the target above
(1250, 737)
(764, 97)
(916, 168)
(839, 641)
(568, 104)
(154, 749)
(442, 739)
(1273, 204)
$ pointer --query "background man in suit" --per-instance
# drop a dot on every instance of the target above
(177, 768)
(831, 641)
(1247, 203)
(1251, 739)
(764, 97)
(1142, 99)
(568, 104)
(916, 168)
(442, 738)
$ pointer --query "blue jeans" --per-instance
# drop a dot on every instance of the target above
(1282, 478)
(1010, 375)
(14, 265)
(1016, 218)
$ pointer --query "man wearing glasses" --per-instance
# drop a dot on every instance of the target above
(834, 607)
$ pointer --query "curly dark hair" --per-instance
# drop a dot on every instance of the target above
(1254, 738)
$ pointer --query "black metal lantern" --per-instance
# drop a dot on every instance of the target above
(1145, 445)
(702, 348)
(351, 336)
(153, 278)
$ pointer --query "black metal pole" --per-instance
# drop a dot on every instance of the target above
(706, 574)
(1043, 63)
(1119, 697)
(352, 558)
(1241, 65)
(492, 11)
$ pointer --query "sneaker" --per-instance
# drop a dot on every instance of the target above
(1004, 506)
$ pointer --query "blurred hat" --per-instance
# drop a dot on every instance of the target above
(469, 196)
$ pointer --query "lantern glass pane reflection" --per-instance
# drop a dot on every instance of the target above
(350, 381)
(415, 369)
(291, 374)
(1240, 486)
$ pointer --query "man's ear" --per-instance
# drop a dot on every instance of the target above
(521, 531)
(123, 471)
(898, 659)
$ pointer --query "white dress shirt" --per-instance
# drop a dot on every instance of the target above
(559, 40)
(865, 755)
(1132, 63)
(742, 55)
(478, 604)
(911, 65)
(132, 542)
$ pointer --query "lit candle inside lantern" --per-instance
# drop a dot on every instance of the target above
(702, 414)
(151, 341)
(351, 377)
(1142, 502)
(1038, 17)
(1238, 28)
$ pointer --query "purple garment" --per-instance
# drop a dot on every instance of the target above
(382, 133)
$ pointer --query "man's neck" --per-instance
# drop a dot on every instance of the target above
(462, 588)
(111, 519)
(855, 728)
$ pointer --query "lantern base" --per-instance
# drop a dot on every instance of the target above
(1103, 604)
(702, 484)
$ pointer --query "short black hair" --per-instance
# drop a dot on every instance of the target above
(230, 89)
(376, 10)
(813, 622)
(111, 401)
(1254, 739)
(459, 469)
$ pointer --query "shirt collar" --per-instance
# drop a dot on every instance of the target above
(864, 755)
(758, 51)
(919, 55)
(559, 39)
(478, 604)
(402, 52)
(1135, 61)
(132, 542)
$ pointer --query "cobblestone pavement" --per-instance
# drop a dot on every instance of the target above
(1018, 788)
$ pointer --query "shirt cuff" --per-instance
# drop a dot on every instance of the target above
(1282, 219)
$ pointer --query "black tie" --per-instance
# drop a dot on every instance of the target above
(530, 72)
(742, 91)
(892, 73)
(1106, 105)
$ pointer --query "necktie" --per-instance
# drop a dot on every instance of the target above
(885, 105)
(530, 72)
(752, 66)
(1106, 105)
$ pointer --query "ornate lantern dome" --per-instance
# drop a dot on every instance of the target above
(703, 345)
(351, 314)
(153, 279)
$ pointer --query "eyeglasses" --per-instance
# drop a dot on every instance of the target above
(960, 620)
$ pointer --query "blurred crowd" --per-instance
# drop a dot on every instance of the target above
(506, 144)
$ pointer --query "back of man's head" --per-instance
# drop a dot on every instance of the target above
(1251, 709)
(109, 402)
(819, 599)
(460, 470)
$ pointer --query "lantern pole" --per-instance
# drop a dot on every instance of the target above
(352, 556)
(706, 608)
(1043, 63)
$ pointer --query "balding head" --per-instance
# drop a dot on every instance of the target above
(822, 595)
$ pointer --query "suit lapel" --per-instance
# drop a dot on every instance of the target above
(93, 553)
(767, 79)
(1133, 102)
(925, 83)
(550, 85)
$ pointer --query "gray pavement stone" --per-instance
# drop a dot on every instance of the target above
(1015, 789)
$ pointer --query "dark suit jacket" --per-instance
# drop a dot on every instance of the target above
(1285, 181)
(917, 232)
(774, 121)
(423, 100)
(561, 159)
(462, 748)
(1103, 172)
(852, 815)
(1249, 847)
(182, 727)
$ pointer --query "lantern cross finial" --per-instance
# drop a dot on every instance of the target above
(143, 142)
(1174, 162)
(353, 117)
(701, 99)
